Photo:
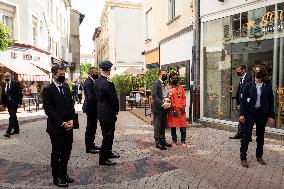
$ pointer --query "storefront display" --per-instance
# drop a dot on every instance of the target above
(255, 37)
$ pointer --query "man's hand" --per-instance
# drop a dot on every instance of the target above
(166, 106)
(19, 105)
(68, 125)
(271, 121)
(242, 119)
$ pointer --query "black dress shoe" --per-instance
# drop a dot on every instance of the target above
(15, 132)
(106, 162)
(164, 143)
(68, 179)
(92, 151)
(60, 182)
(96, 147)
(7, 135)
(114, 155)
(237, 136)
(161, 147)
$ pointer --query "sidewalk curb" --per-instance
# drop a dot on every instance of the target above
(29, 118)
(21, 119)
(269, 132)
(142, 117)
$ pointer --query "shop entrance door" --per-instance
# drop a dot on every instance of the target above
(250, 54)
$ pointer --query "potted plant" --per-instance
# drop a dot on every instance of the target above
(123, 85)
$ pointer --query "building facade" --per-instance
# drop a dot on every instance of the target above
(41, 30)
(169, 38)
(87, 59)
(121, 35)
(97, 46)
(246, 32)
(76, 18)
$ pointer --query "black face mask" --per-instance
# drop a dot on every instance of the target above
(7, 80)
(259, 75)
(239, 73)
(175, 81)
(164, 77)
(61, 79)
(95, 76)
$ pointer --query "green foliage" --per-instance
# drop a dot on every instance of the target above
(5, 37)
(84, 68)
(137, 82)
(149, 77)
(123, 84)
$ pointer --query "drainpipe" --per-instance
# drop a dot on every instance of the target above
(159, 63)
(196, 66)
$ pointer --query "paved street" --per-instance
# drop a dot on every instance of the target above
(211, 160)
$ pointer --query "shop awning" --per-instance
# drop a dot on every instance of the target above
(26, 71)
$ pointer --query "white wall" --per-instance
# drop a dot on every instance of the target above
(213, 9)
(177, 50)
(129, 37)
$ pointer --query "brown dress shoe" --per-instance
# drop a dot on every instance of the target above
(261, 161)
(244, 163)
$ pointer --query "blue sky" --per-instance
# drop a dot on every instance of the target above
(92, 10)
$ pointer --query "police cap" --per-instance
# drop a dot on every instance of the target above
(106, 65)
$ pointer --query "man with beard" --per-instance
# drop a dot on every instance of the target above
(160, 110)
(244, 79)
(90, 108)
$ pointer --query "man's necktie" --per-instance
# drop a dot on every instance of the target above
(61, 90)
(8, 89)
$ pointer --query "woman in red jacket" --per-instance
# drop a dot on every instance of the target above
(177, 115)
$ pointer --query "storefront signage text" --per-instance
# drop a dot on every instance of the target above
(13, 55)
(270, 17)
(270, 22)
(37, 58)
(27, 57)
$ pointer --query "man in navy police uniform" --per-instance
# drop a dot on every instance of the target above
(107, 108)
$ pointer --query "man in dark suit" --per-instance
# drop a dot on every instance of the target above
(59, 108)
(79, 91)
(108, 108)
(159, 108)
(244, 79)
(11, 98)
(90, 108)
(257, 107)
(75, 91)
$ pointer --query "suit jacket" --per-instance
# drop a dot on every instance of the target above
(157, 96)
(249, 98)
(241, 87)
(90, 103)
(107, 101)
(58, 108)
(16, 94)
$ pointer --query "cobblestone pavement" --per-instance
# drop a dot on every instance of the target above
(210, 161)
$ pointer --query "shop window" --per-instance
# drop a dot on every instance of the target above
(236, 26)
(244, 21)
(227, 28)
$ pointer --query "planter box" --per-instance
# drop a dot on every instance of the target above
(122, 102)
